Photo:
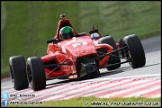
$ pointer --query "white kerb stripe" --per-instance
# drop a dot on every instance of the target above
(156, 96)
(53, 92)
(137, 94)
(155, 76)
(122, 86)
(129, 89)
(83, 88)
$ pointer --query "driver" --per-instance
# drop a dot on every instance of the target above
(66, 33)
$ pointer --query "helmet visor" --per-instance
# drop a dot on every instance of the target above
(67, 36)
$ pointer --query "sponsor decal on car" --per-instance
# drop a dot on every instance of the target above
(79, 44)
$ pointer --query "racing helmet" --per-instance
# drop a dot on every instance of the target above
(66, 33)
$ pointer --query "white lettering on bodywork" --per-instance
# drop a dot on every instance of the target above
(79, 44)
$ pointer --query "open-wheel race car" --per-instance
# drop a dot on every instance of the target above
(75, 55)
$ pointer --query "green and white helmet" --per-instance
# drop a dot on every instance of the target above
(66, 33)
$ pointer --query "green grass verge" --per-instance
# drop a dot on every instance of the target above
(96, 102)
(122, 18)
(26, 25)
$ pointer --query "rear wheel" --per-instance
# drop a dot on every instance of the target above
(36, 73)
(135, 52)
(114, 57)
(18, 72)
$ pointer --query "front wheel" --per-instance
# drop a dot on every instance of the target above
(36, 73)
(18, 72)
(135, 53)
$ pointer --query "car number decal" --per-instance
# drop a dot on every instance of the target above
(79, 44)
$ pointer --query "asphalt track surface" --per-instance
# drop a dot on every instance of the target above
(122, 82)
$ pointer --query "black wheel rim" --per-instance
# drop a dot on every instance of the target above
(128, 54)
(11, 72)
(29, 74)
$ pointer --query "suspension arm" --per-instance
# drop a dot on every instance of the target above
(56, 67)
(116, 64)
(50, 65)
(114, 51)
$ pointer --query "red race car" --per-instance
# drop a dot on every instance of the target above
(74, 55)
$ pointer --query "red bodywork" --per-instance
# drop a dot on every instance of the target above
(70, 50)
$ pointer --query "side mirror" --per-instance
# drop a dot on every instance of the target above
(53, 40)
(50, 41)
